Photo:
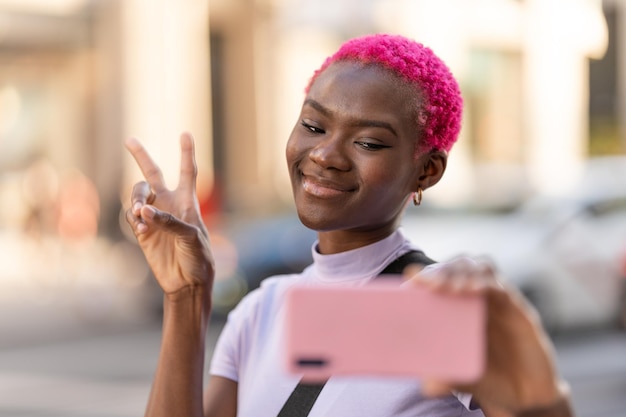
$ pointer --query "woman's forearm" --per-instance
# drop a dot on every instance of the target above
(178, 381)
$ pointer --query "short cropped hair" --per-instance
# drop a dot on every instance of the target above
(439, 115)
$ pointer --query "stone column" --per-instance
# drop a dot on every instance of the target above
(166, 80)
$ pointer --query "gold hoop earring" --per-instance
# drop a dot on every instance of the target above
(417, 197)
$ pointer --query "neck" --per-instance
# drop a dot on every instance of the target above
(344, 240)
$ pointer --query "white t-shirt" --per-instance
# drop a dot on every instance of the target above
(249, 348)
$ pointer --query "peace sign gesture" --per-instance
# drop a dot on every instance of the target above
(167, 223)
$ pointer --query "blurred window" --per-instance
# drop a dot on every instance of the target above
(494, 95)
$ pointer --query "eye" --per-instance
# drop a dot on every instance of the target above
(311, 128)
(369, 146)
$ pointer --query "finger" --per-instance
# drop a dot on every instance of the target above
(435, 388)
(461, 274)
(157, 219)
(473, 275)
(412, 271)
(488, 270)
(135, 222)
(188, 167)
(453, 276)
(471, 272)
(141, 195)
(151, 171)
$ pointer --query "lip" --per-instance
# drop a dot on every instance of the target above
(324, 188)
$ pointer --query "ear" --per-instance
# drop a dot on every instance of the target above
(432, 166)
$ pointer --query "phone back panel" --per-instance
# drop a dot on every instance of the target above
(384, 329)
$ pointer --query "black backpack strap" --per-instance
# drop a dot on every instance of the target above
(411, 257)
(301, 400)
(304, 395)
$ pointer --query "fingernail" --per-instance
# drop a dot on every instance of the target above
(131, 141)
(142, 228)
(149, 212)
(137, 207)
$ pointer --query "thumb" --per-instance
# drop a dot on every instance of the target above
(156, 219)
(432, 388)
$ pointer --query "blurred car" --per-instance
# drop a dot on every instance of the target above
(565, 253)
(251, 250)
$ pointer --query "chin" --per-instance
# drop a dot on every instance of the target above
(316, 221)
(308, 222)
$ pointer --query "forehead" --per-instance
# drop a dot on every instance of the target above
(365, 90)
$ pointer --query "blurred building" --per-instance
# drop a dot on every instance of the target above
(79, 76)
(524, 68)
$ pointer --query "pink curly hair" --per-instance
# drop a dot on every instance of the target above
(440, 112)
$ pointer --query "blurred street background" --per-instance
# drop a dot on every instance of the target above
(109, 374)
(537, 180)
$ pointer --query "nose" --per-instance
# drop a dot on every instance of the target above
(330, 153)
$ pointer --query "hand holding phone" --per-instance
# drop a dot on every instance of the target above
(384, 329)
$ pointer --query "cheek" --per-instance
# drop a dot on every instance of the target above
(293, 149)
(290, 150)
(390, 179)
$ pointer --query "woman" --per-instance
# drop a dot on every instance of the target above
(375, 127)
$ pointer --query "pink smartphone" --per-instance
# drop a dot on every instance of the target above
(384, 329)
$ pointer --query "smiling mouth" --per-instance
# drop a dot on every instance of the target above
(323, 188)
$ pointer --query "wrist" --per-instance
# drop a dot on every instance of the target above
(560, 407)
(192, 299)
(189, 292)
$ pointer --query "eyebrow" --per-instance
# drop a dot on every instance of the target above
(358, 122)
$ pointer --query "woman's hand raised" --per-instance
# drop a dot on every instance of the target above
(168, 224)
(520, 378)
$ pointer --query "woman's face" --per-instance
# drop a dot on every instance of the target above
(351, 156)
